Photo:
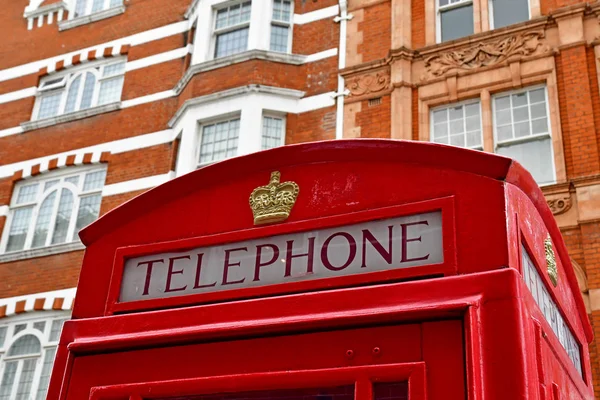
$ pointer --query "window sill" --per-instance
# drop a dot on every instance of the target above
(285, 58)
(41, 252)
(88, 19)
(59, 119)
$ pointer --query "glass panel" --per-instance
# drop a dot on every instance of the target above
(72, 95)
(463, 128)
(282, 10)
(539, 126)
(538, 110)
(25, 345)
(8, 379)
(46, 372)
(18, 229)
(440, 131)
(219, 141)
(89, 208)
(537, 96)
(63, 217)
(457, 22)
(3, 331)
(97, 5)
(279, 38)
(535, 156)
(73, 179)
(519, 99)
(334, 393)
(272, 132)
(42, 225)
(115, 3)
(502, 103)
(110, 90)
(49, 105)
(390, 391)
(114, 69)
(88, 91)
(27, 193)
(520, 114)
(26, 379)
(80, 7)
(40, 326)
(55, 329)
(522, 129)
(50, 184)
(94, 180)
(508, 12)
(440, 116)
(19, 328)
(231, 42)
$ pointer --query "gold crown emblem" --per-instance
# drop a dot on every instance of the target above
(273, 202)
(551, 261)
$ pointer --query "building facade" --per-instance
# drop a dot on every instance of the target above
(101, 100)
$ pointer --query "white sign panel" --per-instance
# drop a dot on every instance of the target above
(386, 244)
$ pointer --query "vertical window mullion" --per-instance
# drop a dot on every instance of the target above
(73, 221)
(55, 207)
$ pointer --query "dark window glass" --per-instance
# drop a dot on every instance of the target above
(390, 391)
(457, 22)
(508, 12)
(334, 393)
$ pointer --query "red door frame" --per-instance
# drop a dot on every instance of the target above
(362, 377)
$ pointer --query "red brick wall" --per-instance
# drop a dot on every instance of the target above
(316, 36)
(375, 120)
(156, 46)
(376, 29)
(418, 23)
(153, 79)
(110, 202)
(15, 112)
(155, 160)
(310, 126)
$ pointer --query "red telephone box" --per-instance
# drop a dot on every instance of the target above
(351, 269)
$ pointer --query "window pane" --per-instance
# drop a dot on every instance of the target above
(63, 217)
(73, 179)
(55, 329)
(463, 127)
(282, 10)
(89, 208)
(279, 38)
(42, 224)
(440, 115)
(40, 326)
(114, 69)
(535, 156)
(272, 132)
(520, 114)
(110, 90)
(49, 105)
(80, 7)
(50, 184)
(538, 110)
(46, 372)
(25, 345)
(457, 22)
(88, 91)
(231, 42)
(508, 12)
(390, 391)
(18, 229)
(3, 331)
(97, 5)
(8, 379)
(72, 95)
(26, 379)
(219, 141)
(539, 126)
(94, 180)
(27, 193)
(115, 3)
(19, 328)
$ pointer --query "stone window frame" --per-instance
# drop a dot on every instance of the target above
(482, 18)
(288, 24)
(274, 115)
(489, 82)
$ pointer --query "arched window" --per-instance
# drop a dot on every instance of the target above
(52, 211)
(27, 350)
(85, 7)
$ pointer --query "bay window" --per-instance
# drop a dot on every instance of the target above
(281, 26)
(219, 140)
(273, 132)
(232, 25)
(454, 19)
(80, 89)
(53, 210)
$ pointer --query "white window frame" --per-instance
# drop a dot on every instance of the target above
(213, 121)
(77, 192)
(491, 12)
(216, 32)
(288, 24)
(88, 8)
(464, 103)
(271, 114)
(530, 138)
(45, 342)
(68, 77)
(440, 9)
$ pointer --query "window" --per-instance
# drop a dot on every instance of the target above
(85, 7)
(81, 89)
(219, 141)
(232, 25)
(522, 131)
(552, 314)
(455, 19)
(273, 132)
(53, 210)
(27, 358)
(458, 125)
(508, 12)
(281, 26)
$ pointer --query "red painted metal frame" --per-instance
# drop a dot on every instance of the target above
(362, 377)
(447, 267)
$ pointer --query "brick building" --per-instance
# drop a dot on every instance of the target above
(101, 100)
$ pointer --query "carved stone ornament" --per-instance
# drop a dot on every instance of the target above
(484, 54)
(559, 205)
(368, 84)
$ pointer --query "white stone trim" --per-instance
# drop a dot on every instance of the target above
(133, 40)
(158, 58)
(41, 251)
(148, 98)
(11, 131)
(67, 294)
(18, 95)
(73, 116)
(321, 55)
(87, 19)
(4, 211)
(137, 184)
(306, 18)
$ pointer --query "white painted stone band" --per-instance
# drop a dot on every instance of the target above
(137, 184)
(327, 12)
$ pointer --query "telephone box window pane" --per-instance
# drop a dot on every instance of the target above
(334, 393)
(390, 391)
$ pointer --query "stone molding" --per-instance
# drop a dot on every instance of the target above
(42, 251)
(368, 85)
(485, 54)
(88, 19)
(559, 205)
(72, 116)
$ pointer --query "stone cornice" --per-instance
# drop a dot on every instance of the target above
(583, 181)
(72, 116)
(45, 9)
